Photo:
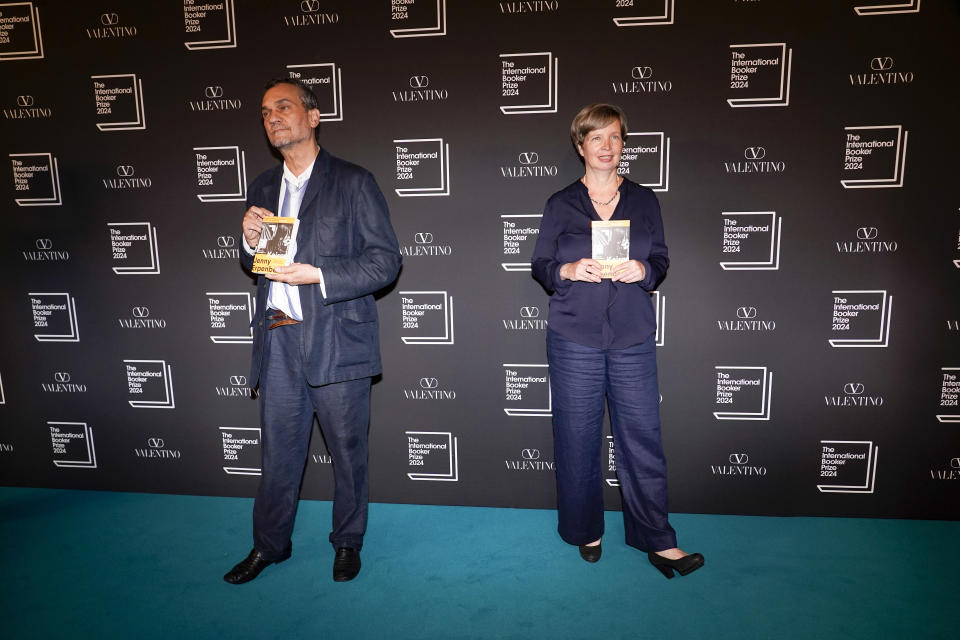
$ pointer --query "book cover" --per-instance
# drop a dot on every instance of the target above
(611, 243)
(276, 245)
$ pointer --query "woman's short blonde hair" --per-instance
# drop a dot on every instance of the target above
(596, 116)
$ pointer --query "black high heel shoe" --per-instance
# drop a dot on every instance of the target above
(686, 564)
(591, 554)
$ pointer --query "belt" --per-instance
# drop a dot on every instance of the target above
(280, 318)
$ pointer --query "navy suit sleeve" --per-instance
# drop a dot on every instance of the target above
(544, 263)
(376, 261)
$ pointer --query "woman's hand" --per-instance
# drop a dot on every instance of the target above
(629, 271)
(583, 270)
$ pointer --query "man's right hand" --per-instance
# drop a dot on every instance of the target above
(253, 225)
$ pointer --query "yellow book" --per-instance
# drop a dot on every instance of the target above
(276, 246)
(610, 240)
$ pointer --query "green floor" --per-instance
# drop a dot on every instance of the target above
(85, 564)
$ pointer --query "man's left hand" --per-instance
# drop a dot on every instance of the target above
(295, 274)
(629, 271)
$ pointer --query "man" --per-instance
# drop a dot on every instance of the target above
(315, 336)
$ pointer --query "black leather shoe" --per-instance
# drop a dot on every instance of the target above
(686, 564)
(249, 568)
(591, 554)
(346, 564)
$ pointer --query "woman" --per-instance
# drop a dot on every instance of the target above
(601, 347)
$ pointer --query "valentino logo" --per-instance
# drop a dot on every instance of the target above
(754, 153)
(881, 64)
(528, 157)
(867, 233)
(419, 82)
(108, 19)
(641, 73)
(238, 381)
(529, 312)
(310, 6)
(746, 313)
(955, 463)
(44, 244)
(25, 101)
(215, 91)
(125, 170)
(739, 458)
(155, 443)
(61, 376)
(428, 383)
(423, 238)
(140, 312)
(853, 388)
(530, 454)
(226, 242)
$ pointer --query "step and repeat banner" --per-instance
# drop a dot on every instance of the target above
(802, 153)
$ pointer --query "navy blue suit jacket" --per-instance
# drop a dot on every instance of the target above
(345, 230)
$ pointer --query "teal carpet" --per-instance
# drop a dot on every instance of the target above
(85, 564)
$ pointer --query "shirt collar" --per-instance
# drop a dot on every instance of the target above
(298, 181)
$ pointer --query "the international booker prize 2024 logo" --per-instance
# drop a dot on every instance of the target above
(149, 384)
(760, 75)
(20, 33)
(119, 102)
(72, 444)
(527, 390)
(209, 25)
(241, 450)
(423, 167)
(529, 82)
(36, 179)
(55, 316)
(646, 159)
(875, 157)
(743, 393)
(520, 232)
(610, 462)
(133, 246)
(418, 18)
(325, 78)
(432, 455)
(888, 7)
(221, 174)
(949, 394)
(426, 317)
(750, 241)
(848, 466)
(861, 318)
(231, 313)
(642, 13)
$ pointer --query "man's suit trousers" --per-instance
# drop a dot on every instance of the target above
(287, 407)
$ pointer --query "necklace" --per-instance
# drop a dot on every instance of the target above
(612, 198)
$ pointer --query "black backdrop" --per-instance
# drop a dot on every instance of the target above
(801, 152)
